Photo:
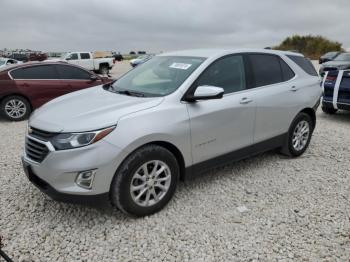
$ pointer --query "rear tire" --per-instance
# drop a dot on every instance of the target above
(329, 110)
(299, 135)
(145, 182)
(104, 70)
(15, 108)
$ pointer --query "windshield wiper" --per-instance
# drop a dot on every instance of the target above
(129, 93)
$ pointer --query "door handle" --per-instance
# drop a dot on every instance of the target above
(24, 85)
(294, 89)
(245, 100)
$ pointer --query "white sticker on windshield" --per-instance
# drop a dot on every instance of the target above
(182, 66)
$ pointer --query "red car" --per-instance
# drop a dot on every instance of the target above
(25, 87)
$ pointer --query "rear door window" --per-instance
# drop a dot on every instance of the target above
(304, 63)
(35, 72)
(84, 56)
(67, 72)
(266, 69)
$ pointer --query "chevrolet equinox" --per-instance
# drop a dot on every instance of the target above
(176, 115)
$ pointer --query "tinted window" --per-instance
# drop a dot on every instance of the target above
(73, 56)
(35, 72)
(266, 69)
(84, 55)
(227, 73)
(304, 63)
(72, 72)
(287, 72)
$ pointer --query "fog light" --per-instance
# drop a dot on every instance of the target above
(85, 178)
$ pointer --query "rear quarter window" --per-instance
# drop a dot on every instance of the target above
(304, 63)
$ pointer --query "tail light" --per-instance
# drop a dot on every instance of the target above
(331, 78)
(114, 61)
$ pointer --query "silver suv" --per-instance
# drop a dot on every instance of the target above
(174, 116)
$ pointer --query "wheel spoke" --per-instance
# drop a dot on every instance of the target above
(161, 170)
(141, 193)
(148, 195)
(138, 176)
(138, 187)
(154, 194)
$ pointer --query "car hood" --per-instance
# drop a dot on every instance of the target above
(89, 109)
(335, 63)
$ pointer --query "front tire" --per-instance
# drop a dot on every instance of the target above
(15, 108)
(329, 110)
(299, 135)
(145, 182)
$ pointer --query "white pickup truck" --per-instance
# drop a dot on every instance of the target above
(87, 60)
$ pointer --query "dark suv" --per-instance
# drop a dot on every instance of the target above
(336, 93)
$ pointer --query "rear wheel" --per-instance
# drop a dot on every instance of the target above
(104, 70)
(329, 110)
(299, 135)
(145, 182)
(15, 108)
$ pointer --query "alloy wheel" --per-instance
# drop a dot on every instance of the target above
(15, 108)
(301, 135)
(150, 183)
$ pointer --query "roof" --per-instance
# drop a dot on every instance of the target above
(218, 52)
(37, 63)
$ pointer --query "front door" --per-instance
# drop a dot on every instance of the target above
(223, 125)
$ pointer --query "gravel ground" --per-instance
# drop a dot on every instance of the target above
(266, 208)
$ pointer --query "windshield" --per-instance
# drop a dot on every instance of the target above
(343, 57)
(2, 62)
(330, 54)
(159, 76)
(142, 57)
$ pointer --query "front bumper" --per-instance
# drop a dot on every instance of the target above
(63, 197)
(56, 174)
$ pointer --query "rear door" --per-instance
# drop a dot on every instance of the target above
(86, 61)
(40, 83)
(275, 93)
(224, 125)
(74, 78)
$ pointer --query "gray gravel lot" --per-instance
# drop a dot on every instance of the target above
(295, 210)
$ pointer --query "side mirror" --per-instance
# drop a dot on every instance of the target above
(206, 93)
(93, 78)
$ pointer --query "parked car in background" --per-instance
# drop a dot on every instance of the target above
(26, 87)
(19, 57)
(328, 57)
(8, 61)
(37, 57)
(336, 95)
(177, 115)
(87, 60)
(139, 60)
(341, 62)
(118, 57)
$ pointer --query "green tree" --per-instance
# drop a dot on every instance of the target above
(311, 46)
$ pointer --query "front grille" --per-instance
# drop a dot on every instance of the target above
(35, 150)
(42, 135)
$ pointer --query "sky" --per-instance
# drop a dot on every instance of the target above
(164, 25)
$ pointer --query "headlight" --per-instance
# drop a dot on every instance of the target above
(74, 140)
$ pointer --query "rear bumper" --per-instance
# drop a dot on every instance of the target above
(329, 104)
